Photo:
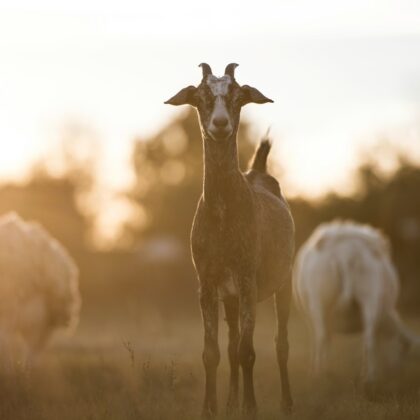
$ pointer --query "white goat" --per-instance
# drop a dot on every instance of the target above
(344, 281)
(39, 290)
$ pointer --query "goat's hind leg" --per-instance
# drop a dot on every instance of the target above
(320, 329)
(282, 300)
(232, 318)
(370, 329)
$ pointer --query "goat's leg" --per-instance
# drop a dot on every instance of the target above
(211, 353)
(320, 338)
(320, 351)
(247, 314)
(232, 319)
(282, 345)
(369, 342)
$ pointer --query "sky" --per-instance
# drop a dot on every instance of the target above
(342, 74)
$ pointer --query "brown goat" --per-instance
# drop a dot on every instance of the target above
(242, 238)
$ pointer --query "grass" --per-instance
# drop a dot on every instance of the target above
(131, 372)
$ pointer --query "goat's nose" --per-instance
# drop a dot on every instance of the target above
(220, 122)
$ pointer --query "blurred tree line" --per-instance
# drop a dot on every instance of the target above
(168, 170)
(155, 271)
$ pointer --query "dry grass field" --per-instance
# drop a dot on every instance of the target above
(142, 370)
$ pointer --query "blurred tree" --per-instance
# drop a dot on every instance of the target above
(52, 202)
(168, 170)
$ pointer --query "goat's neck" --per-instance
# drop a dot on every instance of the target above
(221, 169)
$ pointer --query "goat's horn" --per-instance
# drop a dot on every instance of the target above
(230, 69)
(206, 69)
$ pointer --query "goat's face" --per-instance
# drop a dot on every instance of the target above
(218, 101)
(219, 107)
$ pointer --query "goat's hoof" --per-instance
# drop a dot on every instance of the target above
(370, 390)
(208, 412)
(287, 406)
(249, 412)
(232, 406)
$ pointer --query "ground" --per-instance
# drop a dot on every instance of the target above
(115, 370)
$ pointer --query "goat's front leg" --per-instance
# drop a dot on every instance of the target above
(232, 319)
(211, 353)
(247, 315)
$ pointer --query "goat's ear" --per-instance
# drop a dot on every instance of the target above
(252, 95)
(186, 96)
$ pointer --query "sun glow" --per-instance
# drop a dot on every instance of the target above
(327, 66)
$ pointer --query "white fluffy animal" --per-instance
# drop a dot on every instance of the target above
(344, 281)
(39, 291)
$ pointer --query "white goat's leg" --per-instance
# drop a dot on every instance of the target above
(320, 339)
(369, 342)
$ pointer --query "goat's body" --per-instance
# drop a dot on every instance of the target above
(226, 233)
(276, 236)
(242, 244)
(39, 290)
(241, 240)
(344, 281)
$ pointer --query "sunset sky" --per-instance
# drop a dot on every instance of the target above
(341, 75)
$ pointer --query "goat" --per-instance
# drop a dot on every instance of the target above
(344, 281)
(39, 291)
(242, 238)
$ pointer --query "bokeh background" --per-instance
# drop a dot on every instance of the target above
(90, 151)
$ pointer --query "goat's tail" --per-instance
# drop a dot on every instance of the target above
(259, 161)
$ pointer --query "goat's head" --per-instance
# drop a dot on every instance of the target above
(219, 101)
